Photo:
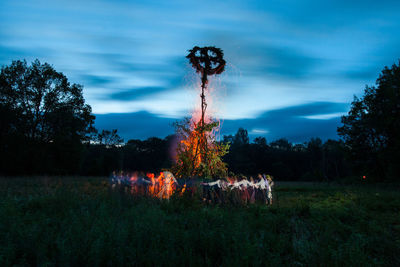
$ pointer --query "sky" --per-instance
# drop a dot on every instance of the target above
(292, 70)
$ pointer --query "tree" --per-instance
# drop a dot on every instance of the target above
(371, 130)
(241, 137)
(228, 139)
(281, 144)
(109, 138)
(260, 141)
(44, 119)
(239, 156)
(317, 158)
(335, 164)
(189, 162)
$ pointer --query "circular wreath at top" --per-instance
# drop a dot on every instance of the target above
(208, 59)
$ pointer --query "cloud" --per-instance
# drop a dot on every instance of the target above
(279, 62)
(9, 53)
(131, 56)
(267, 59)
(137, 125)
(96, 80)
(322, 16)
(136, 93)
(289, 123)
(307, 109)
(295, 123)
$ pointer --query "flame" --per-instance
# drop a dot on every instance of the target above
(198, 153)
(183, 189)
(191, 145)
(162, 186)
(134, 177)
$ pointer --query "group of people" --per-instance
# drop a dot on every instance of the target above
(239, 190)
(235, 190)
(161, 186)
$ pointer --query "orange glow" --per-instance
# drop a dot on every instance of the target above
(163, 186)
(183, 189)
(133, 178)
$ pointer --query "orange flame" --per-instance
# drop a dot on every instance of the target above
(163, 186)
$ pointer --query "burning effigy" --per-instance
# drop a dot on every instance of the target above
(199, 155)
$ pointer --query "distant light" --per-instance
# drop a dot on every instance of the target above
(364, 177)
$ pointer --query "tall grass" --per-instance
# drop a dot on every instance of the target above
(80, 221)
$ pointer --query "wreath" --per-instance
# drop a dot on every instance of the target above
(208, 59)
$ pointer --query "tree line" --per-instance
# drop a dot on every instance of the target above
(47, 128)
(310, 161)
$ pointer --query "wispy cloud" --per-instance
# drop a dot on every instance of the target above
(282, 56)
(295, 123)
(136, 93)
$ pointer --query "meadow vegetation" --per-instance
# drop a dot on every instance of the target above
(82, 221)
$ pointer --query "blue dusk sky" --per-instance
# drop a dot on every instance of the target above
(293, 67)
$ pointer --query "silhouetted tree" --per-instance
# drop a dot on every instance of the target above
(44, 119)
(260, 141)
(313, 160)
(109, 138)
(371, 130)
(239, 156)
(228, 139)
(282, 144)
(241, 137)
(316, 158)
(336, 165)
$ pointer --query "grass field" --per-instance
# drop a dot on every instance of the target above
(80, 221)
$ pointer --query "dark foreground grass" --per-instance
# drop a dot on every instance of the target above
(80, 221)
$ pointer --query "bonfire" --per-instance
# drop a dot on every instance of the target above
(199, 154)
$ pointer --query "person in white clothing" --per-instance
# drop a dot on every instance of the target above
(270, 184)
(262, 185)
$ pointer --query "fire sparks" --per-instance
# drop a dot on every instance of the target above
(198, 153)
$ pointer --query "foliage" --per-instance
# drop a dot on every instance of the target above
(150, 155)
(241, 137)
(371, 129)
(80, 222)
(208, 60)
(312, 160)
(44, 119)
(189, 161)
(109, 138)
